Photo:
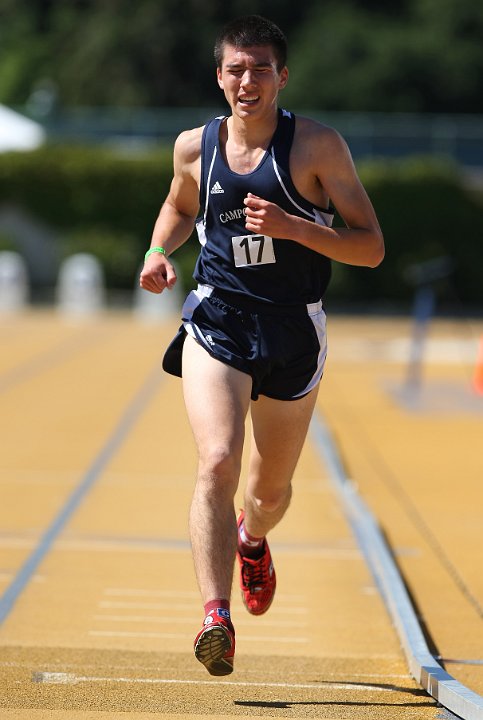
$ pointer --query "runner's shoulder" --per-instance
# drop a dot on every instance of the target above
(308, 130)
(187, 147)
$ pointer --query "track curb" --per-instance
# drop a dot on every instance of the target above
(425, 669)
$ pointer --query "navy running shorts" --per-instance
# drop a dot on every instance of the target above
(283, 349)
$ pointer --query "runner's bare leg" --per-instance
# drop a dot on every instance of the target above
(279, 429)
(217, 399)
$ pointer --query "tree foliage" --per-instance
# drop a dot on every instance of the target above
(407, 55)
(427, 58)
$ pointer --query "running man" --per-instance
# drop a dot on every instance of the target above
(257, 185)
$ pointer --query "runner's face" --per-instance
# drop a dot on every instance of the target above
(250, 79)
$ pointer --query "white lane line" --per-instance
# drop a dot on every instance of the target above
(141, 545)
(129, 634)
(127, 605)
(58, 678)
(320, 553)
(17, 543)
(121, 605)
(179, 636)
(170, 619)
(122, 544)
(166, 545)
(148, 668)
(142, 592)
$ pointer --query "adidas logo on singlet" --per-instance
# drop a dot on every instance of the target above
(216, 189)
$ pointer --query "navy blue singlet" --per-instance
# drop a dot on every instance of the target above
(232, 259)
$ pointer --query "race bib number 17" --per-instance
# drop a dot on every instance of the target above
(253, 250)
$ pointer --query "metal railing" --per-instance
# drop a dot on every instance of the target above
(369, 135)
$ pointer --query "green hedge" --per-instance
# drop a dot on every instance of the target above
(101, 202)
(426, 211)
(96, 200)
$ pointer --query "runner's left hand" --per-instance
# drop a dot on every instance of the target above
(266, 218)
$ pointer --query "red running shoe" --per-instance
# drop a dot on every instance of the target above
(215, 643)
(257, 579)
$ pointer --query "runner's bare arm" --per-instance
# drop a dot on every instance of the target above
(330, 162)
(176, 219)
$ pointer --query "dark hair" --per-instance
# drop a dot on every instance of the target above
(252, 30)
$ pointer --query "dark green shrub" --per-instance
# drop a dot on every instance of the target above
(425, 211)
(74, 187)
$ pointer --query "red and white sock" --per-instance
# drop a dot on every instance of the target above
(248, 545)
(220, 607)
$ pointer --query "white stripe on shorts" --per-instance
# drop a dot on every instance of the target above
(318, 317)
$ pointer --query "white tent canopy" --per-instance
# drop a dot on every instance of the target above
(18, 132)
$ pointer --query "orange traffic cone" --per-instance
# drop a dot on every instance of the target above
(478, 376)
